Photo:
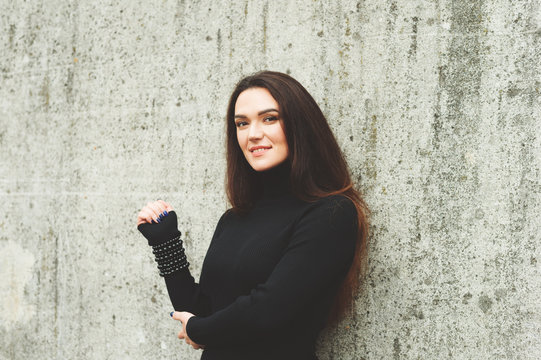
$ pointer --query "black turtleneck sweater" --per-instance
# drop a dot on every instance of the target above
(270, 276)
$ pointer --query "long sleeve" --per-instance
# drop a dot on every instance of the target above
(317, 257)
(184, 292)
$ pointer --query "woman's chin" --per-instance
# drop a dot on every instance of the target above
(264, 166)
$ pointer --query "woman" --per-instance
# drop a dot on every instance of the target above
(285, 259)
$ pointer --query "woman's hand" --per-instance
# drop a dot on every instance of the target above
(183, 317)
(152, 211)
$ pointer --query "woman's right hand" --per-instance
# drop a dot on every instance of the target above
(156, 225)
(152, 211)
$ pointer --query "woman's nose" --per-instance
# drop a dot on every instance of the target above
(255, 131)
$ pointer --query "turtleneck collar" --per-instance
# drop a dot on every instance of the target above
(275, 181)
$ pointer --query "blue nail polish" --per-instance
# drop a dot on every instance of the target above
(161, 216)
(158, 220)
(165, 213)
(171, 313)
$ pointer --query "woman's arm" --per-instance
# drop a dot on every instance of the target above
(164, 237)
(317, 258)
(193, 301)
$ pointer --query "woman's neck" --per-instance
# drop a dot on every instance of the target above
(276, 181)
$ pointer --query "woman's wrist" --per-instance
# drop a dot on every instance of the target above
(170, 256)
(164, 237)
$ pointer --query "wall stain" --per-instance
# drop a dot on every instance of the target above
(484, 303)
(413, 47)
(219, 41)
(454, 132)
(520, 196)
(513, 91)
(69, 85)
(391, 20)
(265, 16)
(417, 218)
(74, 18)
(31, 35)
(370, 167)
(44, 93)
(348, 28)
(11, 35)
(396, 349)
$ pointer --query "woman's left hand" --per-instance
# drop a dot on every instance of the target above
(183, 317)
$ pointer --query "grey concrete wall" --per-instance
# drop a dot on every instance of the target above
(105, 106)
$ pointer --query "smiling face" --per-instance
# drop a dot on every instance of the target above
(260, 129)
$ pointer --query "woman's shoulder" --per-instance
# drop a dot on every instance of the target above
(223, 220)
(336, 202)
(335, 207)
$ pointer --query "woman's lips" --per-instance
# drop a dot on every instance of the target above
(260, 152)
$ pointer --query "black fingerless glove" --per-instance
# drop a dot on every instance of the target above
(164, 238)
(161, 232)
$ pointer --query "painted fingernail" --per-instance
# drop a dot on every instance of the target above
(165, 213)
(171, 313)
(161, 216)
(158, 220)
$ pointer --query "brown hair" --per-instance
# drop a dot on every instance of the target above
(318, 166)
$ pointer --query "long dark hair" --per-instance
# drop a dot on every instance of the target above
(318, 166)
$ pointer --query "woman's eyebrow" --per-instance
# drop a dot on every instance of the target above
(259, 113)
(266, 111)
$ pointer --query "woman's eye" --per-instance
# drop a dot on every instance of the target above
(241, 123)
(270, 118)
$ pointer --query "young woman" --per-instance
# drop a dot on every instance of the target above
(285, 259)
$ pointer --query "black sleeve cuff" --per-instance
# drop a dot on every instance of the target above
(170, 256)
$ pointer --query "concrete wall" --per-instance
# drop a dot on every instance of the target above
(105, 106)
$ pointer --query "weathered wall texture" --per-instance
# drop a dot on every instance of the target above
(106, 106)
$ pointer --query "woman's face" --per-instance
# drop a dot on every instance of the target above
(260, 129)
